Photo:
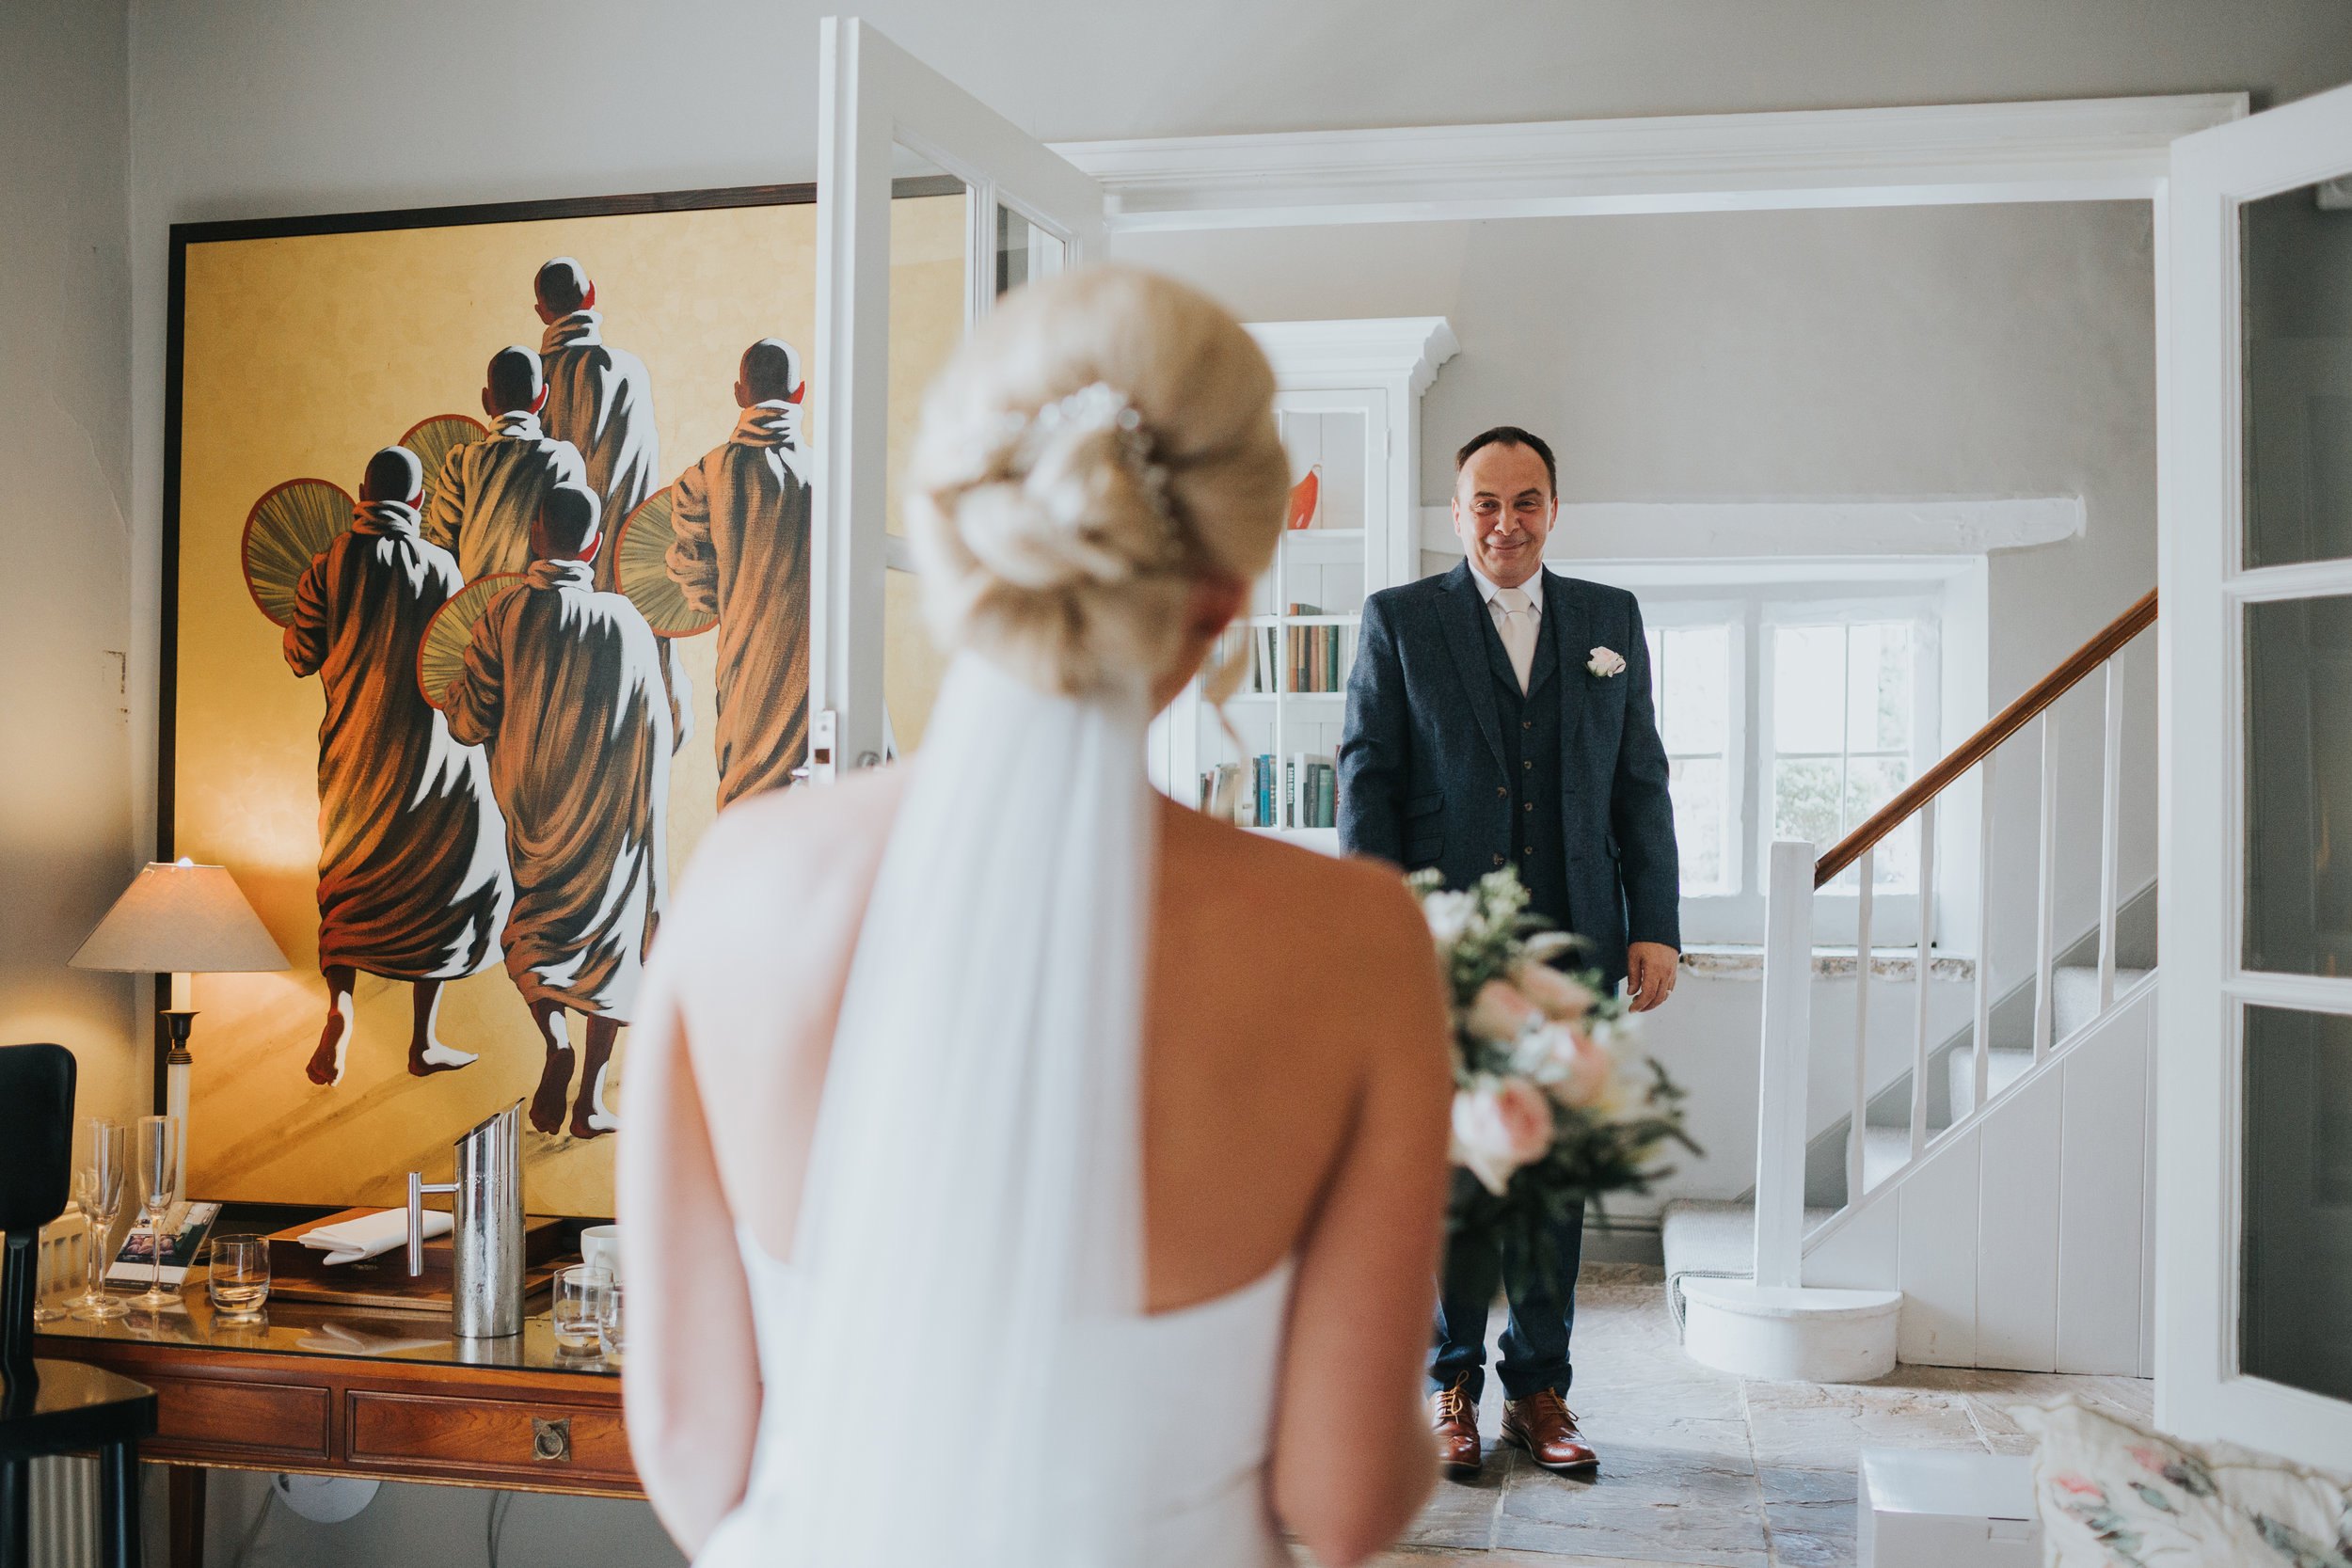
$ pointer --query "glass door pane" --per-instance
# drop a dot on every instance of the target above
(2296, 1276)
(2298, 785)
(2296, 249)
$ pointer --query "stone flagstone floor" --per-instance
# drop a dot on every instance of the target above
(1701, 1467)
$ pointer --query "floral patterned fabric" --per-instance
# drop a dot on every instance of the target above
(2112, 1496)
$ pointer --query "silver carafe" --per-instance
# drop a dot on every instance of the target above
(486, 1242)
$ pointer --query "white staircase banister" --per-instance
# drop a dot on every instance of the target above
(1784, 1065)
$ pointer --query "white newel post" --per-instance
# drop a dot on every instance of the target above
(1774, 1325)
(1785, 1064)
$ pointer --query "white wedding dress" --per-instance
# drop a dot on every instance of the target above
(957, 1370)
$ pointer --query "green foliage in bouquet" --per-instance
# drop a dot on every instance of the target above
(1547, 1113)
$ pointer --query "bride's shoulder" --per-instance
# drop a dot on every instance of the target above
(789, 844)
(1357, 908)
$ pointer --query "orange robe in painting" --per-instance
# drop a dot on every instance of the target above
(740, 521)
(412, 874)
(488, 494)
(600, 400)
(562, 684)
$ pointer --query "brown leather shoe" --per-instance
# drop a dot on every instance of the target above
(1543, 1424)
(1454, 1416)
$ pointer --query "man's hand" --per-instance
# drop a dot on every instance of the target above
(1650, 968)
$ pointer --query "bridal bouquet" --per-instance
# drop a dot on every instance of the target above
(1547, 1111)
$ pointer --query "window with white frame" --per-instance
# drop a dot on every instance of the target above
(1790, 710)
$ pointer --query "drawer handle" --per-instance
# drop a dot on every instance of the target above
(551, 1441)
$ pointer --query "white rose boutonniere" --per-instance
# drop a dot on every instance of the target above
(1606, 662)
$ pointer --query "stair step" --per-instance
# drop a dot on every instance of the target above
(1712, 1240)
(2002, 1069)
(2075, 997)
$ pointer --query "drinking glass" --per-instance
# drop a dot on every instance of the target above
(578, 1306)
(102, 1175)
(239, 1281)
(157, 1151)
(610, 1325)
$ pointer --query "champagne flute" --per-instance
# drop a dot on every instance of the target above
(158, 1153)
(102, 1171)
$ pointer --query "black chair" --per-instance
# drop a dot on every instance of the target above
(53, 1408)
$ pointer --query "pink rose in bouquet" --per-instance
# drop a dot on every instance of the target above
(1500, 1013)
(1498, 1127)
(1559, 997)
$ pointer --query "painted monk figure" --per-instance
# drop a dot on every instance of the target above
(412, 877)
(741, 517)
(562, 684)
(488, 493)
(600, 400)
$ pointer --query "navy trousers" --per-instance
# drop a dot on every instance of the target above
(1536, 1342)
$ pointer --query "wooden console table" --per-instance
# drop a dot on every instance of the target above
(335, 1392)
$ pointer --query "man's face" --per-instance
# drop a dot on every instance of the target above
(1503, 510)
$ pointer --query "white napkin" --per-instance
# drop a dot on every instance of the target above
(370, 1234)
(336, 1340)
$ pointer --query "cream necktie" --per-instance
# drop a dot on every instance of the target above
(1518, 630)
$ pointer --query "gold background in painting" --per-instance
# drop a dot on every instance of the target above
(306, 355)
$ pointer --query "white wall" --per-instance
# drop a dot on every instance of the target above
(66, 847)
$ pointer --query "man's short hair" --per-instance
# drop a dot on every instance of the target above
(1511, 436)
(568, 516)
(561, 285)
(770, 370)
(515, 378)
(396, 474)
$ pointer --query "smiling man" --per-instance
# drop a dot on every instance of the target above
(1500, 715)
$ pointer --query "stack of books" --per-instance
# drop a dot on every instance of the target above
(1290, 659)
(1312, 655)
(1297, 791)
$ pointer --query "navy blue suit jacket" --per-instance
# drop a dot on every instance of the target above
(1421, 755)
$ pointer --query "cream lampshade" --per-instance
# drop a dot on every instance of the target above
(177, 918)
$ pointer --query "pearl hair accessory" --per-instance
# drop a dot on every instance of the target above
(1098, 408)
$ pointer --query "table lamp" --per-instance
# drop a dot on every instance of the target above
(177, 918)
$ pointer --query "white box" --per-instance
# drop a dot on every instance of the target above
(1919, 1508)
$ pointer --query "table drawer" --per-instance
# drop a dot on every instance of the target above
(283, 1419)
(544, 1439)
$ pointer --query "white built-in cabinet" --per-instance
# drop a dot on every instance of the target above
(1349, 408)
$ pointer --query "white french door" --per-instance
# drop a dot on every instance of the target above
(883, 114)
(2254, 1141)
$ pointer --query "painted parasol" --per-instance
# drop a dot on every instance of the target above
(435, 438)
(641, 564)
(283, 534)
(441, 657)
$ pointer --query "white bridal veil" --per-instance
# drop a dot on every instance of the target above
(971, 1236)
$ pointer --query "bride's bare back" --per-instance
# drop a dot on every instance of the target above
(1294, 1087)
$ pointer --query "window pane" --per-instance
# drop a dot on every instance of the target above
(2298, 1259)
(1695, 714)
(1880, 689)
(2297, 449)
(2298, 785)
(1697, 784)
(1804, 801)
(1809, 689)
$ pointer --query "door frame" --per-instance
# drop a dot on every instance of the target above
(2201, 1393)
(873, 96)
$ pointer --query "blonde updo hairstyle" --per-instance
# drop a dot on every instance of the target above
(1104, 441)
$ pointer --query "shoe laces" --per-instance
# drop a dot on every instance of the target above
(1454, 1403)
(1547, 1400)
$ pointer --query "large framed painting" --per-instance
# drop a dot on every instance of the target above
(485, 586)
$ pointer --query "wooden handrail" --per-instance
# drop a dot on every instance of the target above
(2048, 690)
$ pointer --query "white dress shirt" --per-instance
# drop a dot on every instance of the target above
(1522, 652)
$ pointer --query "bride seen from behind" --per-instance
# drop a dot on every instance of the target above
(1021, 1168)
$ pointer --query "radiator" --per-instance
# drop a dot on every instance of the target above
(65, 1490)
(65, 1513)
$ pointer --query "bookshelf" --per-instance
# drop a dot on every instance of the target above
(1349, 407)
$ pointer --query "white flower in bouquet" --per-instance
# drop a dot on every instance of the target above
(1448, 915)
(1499, 1124)
(1500, 1013)
(1574, 1067)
